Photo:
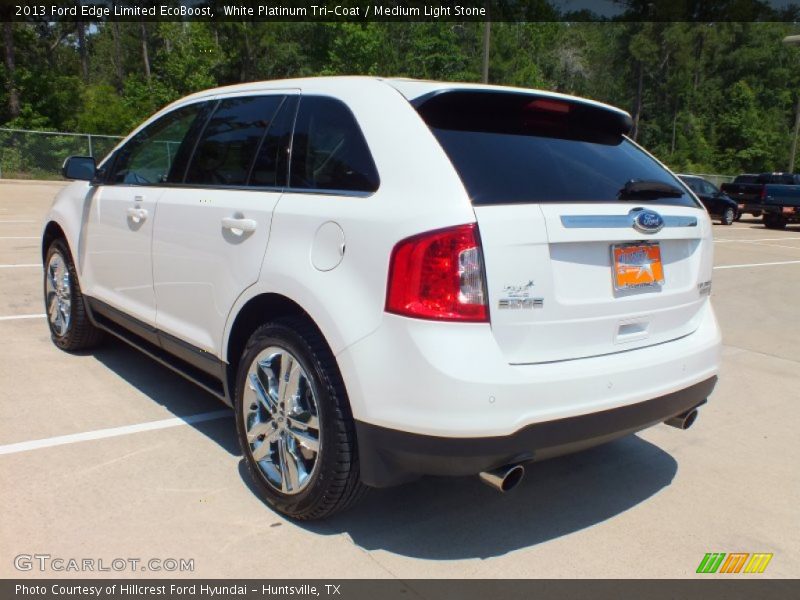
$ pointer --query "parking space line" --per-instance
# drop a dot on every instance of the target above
(17, 317)
(16, 237)
(778, 246)
(22, 266)
(769, 264)
(17, 221)
(99, 434)
(780, 239)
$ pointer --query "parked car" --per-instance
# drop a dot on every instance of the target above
(776, 195)
(392, 278)
(717, 203)
(748, 199)
(780, 199)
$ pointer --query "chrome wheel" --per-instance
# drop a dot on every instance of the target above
(58, 294)
(281, 421)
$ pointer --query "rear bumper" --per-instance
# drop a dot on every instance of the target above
(791, 214)
(440, 398)
(750, 207)
(390, 457)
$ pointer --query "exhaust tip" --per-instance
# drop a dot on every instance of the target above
(683, 420)
(503, 479)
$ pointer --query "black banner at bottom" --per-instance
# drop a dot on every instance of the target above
(393, 589)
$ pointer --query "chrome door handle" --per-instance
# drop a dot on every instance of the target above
(239, 226)
(137, 215)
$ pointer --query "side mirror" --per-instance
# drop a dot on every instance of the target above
(79, 167)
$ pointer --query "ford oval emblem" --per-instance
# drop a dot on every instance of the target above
(648, 221)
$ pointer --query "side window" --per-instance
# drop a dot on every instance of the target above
(329, 151)
(709, 188)
(231, 140)
(271, 166)
(148, 157)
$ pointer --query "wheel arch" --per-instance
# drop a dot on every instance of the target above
(263, 307)
(52, 231)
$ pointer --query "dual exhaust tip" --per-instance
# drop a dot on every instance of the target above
(504, 479)
(683, 420)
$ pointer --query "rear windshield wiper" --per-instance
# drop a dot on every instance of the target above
(648, 190)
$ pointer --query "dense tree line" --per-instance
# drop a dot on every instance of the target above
(705, 97)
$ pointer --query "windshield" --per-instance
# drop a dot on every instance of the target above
(518, 148)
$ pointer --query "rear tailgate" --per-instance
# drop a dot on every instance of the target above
(551, 284)
(552, 182)
(744, 192)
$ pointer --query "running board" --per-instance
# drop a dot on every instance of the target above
(204, 370)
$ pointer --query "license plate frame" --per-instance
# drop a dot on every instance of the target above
(636, 265)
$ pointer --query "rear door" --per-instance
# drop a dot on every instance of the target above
(212, 226)
(574, 266)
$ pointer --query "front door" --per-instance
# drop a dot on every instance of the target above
(119, 229)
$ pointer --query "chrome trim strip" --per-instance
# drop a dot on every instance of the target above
(619, 221)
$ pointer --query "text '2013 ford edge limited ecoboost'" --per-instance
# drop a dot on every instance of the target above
(393, 278)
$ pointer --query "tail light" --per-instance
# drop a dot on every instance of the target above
(763, 193)
(439, 275)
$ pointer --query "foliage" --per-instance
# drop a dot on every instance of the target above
(712, 97)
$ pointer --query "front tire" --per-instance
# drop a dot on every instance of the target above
(70, 327)
(728, 217)
(294, 423)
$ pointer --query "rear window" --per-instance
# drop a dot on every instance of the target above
(777, 178)
(522, 148)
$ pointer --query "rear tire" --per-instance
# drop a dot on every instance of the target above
(294, 423)
(728, 216)
(70, 327)
(774, 221)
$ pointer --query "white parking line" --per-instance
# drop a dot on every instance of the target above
(16, 237)
(16, 317)
(18, 221)
(780, 239)
(24, 266)
(778, 246)
(99, 434)
(769, 264)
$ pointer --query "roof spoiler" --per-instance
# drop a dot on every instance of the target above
(523, 113)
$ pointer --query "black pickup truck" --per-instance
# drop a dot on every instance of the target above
(775, 195)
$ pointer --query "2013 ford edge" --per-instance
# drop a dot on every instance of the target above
(392, 278)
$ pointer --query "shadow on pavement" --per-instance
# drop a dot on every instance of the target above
(179, 396)
(444, 518)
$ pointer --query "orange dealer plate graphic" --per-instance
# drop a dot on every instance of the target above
(637, 265)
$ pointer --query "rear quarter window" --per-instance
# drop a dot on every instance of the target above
(329, 152)
(522, 148)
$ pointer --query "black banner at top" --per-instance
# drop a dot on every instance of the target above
(399, 10)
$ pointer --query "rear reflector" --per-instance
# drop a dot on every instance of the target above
(438, 275)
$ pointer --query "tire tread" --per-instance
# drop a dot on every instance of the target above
(344, 489)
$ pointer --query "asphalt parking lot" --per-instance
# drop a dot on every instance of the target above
(136, 480)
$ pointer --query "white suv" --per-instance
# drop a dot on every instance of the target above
(393, 278)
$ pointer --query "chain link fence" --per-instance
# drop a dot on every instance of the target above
(27, 154)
